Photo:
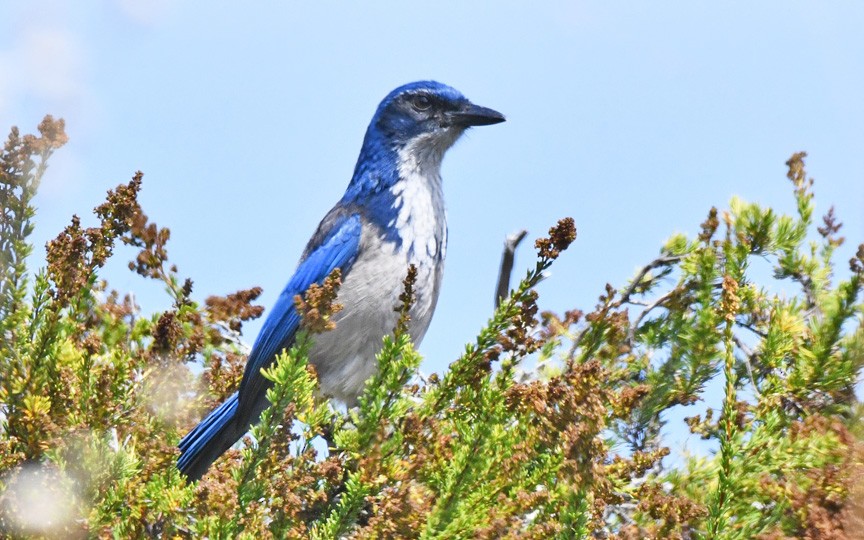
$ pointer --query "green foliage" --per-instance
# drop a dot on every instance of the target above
(94, 395)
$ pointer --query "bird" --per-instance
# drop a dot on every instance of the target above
(391, 216)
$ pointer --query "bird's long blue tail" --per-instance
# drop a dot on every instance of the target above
(209, 440)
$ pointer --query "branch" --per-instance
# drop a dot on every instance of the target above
(656, 263)
(752, 328)
(625, 298)
(651, 307)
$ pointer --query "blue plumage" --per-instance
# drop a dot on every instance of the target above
(391, 216)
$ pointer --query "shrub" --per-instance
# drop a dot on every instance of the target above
(547, 426)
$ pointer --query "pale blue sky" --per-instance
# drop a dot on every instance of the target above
(633, 118)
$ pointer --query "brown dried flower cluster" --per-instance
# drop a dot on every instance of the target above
(709, 226)
(829, 229)
(856, 263)
(235, 308)
(560, 237)
(797, 173)
(519, 338)
(18, 151)
(223, 375)
(406, 299)
(730, 302)
(318, 304)
(76, 253)
(151, 239)
(820, 504)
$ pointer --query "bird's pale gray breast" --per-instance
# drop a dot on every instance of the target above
(345, 357)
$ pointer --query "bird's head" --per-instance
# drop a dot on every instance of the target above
(409, 133)
(429, 110)
(426, 116)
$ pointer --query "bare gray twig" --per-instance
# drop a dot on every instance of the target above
(510, 245)
(651, 307)
(656, 263)
(752, 328)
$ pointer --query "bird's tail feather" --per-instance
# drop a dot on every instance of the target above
(209, 440)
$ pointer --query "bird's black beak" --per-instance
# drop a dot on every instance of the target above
(474, 115)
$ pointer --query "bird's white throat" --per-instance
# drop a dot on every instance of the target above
(419, 199)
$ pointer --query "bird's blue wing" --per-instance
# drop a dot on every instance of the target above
(338, 248)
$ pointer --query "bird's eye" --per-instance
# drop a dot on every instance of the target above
(421, 102)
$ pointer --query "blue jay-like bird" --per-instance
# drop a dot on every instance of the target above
(391, 216)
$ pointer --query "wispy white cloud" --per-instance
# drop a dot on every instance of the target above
(145, 12)
(44, 63)
(44, 70)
